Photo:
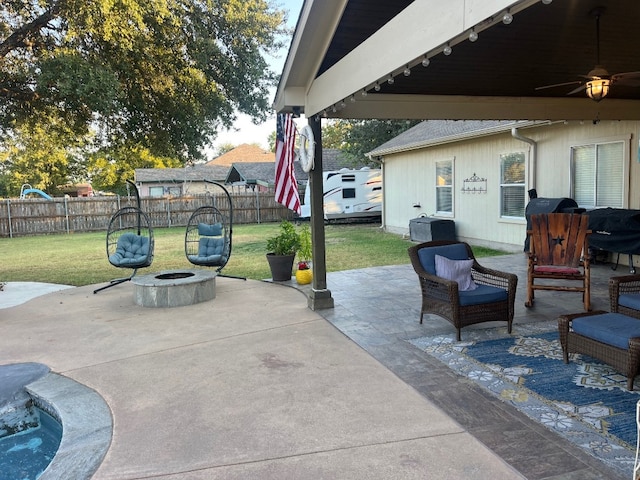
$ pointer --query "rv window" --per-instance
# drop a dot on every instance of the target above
(348, 193)
(348, 178)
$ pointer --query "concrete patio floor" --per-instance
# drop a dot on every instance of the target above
(249, 385)
(253, 384)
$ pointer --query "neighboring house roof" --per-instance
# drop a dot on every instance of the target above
(244, 153)
(332, 159)
(259, 172)
(264, 173)
(438, 132)
(199, 172)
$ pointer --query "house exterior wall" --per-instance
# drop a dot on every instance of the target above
(410, 178)
(174, 188)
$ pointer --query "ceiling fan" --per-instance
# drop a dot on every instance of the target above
(598, 81)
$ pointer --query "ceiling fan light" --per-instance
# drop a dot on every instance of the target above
(598, 89)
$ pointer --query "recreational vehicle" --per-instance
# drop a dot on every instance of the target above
(349, 194)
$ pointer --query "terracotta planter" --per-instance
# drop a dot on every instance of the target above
(281, 266)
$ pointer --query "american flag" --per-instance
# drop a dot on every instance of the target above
(286, 185)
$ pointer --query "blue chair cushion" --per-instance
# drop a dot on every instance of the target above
(131, 250)
(211, 251)
(208, 246)
(630, 300)
(483, 294)
(210, 230)
(427, 255)
(611, 328)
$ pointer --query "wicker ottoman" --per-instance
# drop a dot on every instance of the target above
(612, 338)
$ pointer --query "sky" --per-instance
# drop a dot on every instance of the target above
(244, 131)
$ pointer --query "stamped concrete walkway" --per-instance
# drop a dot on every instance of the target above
(251, 385)
(379, 308)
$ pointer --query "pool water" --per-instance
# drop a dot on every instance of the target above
(25, 455)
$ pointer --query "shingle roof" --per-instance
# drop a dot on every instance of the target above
(200, 172)
(252, 172)
(241, 154)
(261, 171)
(437, 132)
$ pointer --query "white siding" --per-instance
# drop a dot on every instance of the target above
(409, 178)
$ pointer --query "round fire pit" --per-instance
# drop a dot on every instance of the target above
(174, 288)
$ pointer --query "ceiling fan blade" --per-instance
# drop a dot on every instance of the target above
(558, 85)
(579, 89)
(631, 79)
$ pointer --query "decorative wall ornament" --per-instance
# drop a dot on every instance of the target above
(474, 184)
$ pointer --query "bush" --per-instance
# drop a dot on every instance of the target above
(287, 242)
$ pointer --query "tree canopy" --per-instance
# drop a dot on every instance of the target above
(159, 75)
(356, 138)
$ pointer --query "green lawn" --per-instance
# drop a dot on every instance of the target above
(80, 259)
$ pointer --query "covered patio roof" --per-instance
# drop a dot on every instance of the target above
(343, 48)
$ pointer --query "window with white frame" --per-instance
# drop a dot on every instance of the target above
(444, 187)
(598, 175)
(512, 184)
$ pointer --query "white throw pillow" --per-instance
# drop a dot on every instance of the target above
(458, 270)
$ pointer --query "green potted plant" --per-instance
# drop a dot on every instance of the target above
(304, 275)
(282, 250)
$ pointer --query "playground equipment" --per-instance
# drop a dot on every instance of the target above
(26, 189)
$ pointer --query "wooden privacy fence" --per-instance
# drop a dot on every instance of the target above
(38, 216)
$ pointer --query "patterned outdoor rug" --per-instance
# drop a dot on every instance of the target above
(585, 401)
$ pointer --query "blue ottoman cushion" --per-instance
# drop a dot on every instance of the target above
(611, 328)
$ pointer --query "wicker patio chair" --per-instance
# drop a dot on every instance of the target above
(558, 251)
(460, 303)
(625, 360)
(624, 295)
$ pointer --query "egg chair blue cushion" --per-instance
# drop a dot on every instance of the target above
(211, 251)
(210, 230)
(131, 251)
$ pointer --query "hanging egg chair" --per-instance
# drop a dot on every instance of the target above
(208, 239)
(129, 240)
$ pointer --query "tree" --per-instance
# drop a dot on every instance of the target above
(334, 133)
(356, 138)
(162, 74)
(42, 154)
(109, 169)
(224, 148)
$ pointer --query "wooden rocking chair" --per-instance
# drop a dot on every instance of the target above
(558, 251)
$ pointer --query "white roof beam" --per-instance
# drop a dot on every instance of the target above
(459, 107)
